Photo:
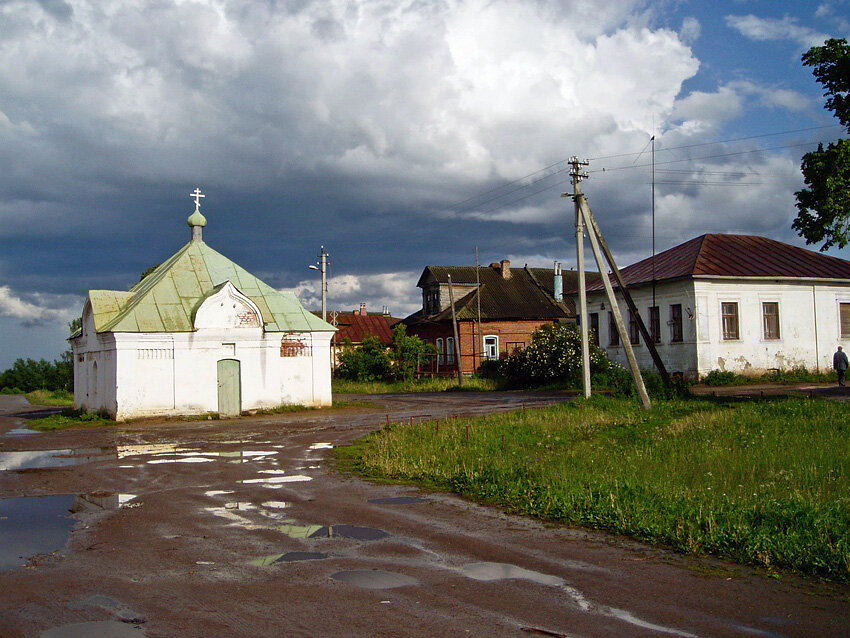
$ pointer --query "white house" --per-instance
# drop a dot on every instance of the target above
(199, 334)
(740, 303)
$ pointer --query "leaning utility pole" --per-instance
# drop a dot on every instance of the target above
(585, 216)
(457, 341)
(582, 293)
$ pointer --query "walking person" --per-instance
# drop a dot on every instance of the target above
(839, 362)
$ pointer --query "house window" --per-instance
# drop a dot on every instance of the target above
(676, 323)
(441, 359)
(654, 324)
(844, 316)
(770, 313)
(491, 347)
(613, 334)
(593, 327)
(450, 351)
(634, 332)
(729, 313)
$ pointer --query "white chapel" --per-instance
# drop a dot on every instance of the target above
(198, 335)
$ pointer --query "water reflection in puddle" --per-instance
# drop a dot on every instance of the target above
(398, 500)
(276, 481)
(350, 531)
(43, 459)
(503, 571)
(101, 629)
(288, 557)
(321, 446)
(374, 579)
(33, 525)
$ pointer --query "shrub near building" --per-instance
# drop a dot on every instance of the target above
(553, 356)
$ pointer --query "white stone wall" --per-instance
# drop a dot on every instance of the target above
(808, 320)
(156, 374)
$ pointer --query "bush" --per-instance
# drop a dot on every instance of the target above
(553, 356)
(373, 361)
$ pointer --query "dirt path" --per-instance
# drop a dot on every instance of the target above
(175, 519)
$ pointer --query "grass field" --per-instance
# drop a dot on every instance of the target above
(61, 398)
(765, 483)
(436, 384)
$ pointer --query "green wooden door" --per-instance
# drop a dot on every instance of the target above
(229, 388)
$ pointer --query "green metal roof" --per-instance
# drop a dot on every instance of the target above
(166, 300)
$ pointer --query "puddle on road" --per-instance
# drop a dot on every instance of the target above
(398, 500)
(288, 557)
(276, 481)
(504, 571)
(31, 525)
(110, 605)
(321, 446)
(350, 531)
(300, 531)
(374, 579)
(276, 505)
(45, 459)
(101, 629)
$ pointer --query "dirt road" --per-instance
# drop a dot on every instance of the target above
(244, 528)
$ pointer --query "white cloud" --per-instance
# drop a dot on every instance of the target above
(395, 290)
(42, 309)
(786, 28)
(691, 29)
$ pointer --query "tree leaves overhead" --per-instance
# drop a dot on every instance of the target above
(824, 207)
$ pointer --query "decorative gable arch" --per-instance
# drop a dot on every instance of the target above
(226, 307)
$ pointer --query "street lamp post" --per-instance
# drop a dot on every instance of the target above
(322, 266)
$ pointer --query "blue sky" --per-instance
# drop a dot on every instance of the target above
(396, 134)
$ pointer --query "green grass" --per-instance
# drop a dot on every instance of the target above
(793, 375)
(68, 419)
(436, 384)
(61, 398)
(765, 483)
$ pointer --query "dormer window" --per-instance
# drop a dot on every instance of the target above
(431, 300)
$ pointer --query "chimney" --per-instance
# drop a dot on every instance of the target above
(363, 312)
(558, 284)
(506, 269)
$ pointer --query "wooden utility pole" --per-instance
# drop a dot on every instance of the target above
(457, 341)
(577, 176)
(647, 338)
(615, 308)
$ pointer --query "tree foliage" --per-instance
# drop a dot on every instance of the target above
(824, 206)
(27, 375)
(374, 361)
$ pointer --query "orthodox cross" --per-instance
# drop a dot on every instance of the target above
(197, 195)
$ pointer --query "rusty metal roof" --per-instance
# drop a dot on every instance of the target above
(166, 300)
(354, 326)
(734, 256)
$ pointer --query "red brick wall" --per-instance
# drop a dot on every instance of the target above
(511, 334)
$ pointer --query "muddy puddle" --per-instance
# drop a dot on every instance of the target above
(45, 459)
(374, 579)
(100, 629)
(35, 525)
(398, 500)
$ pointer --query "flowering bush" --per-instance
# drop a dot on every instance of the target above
(553, 356)
(373, 361)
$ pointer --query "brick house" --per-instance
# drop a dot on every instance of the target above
(513, 303)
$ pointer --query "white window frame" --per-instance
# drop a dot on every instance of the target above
(491, 350)
(764, 320)
(450, 351)
(441, 357)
